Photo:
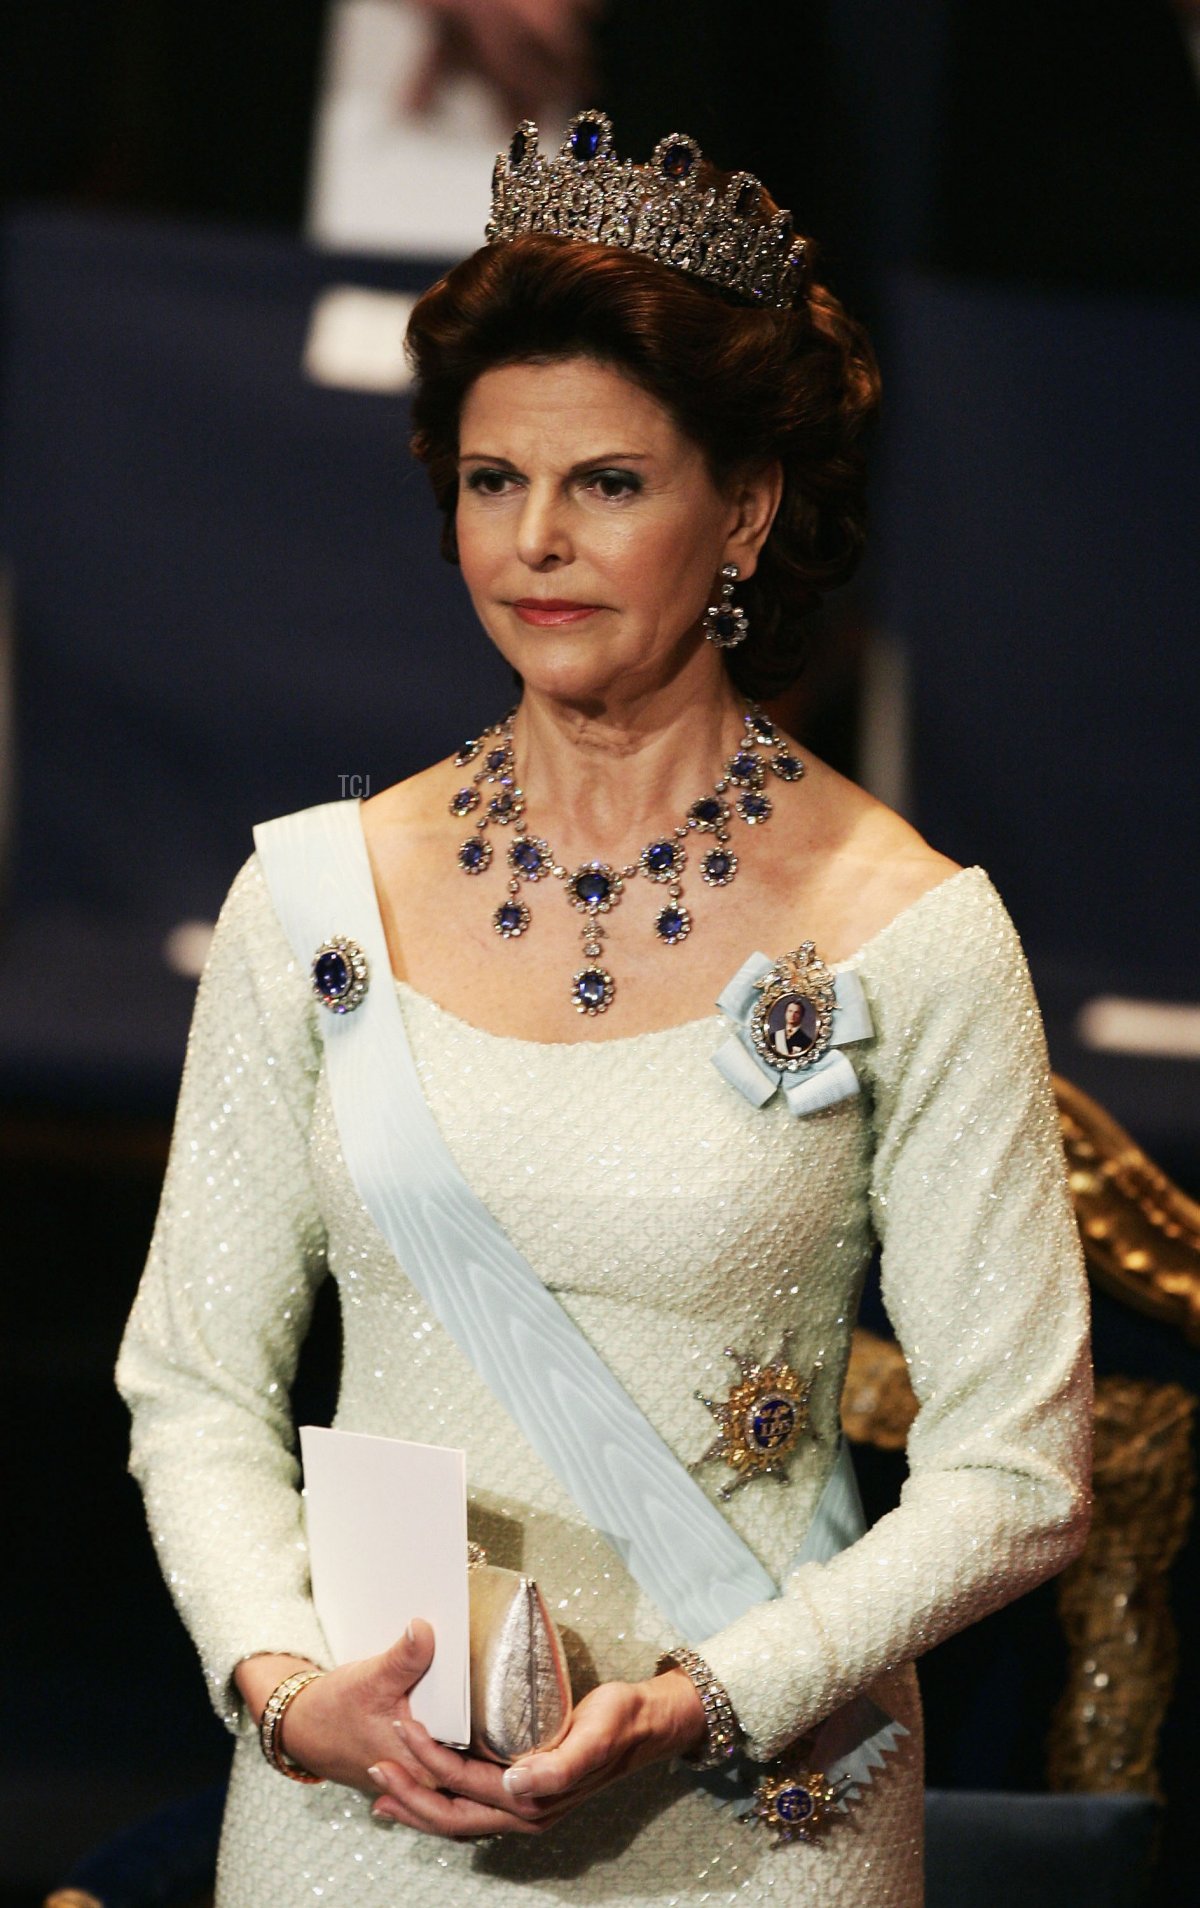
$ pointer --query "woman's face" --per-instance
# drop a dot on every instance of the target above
(590, 533)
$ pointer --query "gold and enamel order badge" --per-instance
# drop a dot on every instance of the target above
(797, 1804)
(761, 1420)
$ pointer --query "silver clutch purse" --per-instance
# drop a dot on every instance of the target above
(520, 1685)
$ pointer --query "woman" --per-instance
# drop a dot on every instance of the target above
(641, 420)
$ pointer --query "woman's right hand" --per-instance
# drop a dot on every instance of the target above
(343, 1723)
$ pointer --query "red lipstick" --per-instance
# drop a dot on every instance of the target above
(546, 612)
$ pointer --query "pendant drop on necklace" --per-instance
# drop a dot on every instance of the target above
(594, 888)
(511, 919)
(592, 990)
(672, 923)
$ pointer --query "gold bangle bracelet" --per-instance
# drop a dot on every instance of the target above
(270, 1734)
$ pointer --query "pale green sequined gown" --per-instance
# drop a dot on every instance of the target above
(672, 1219)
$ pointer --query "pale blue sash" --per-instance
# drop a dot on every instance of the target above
(568, 1404)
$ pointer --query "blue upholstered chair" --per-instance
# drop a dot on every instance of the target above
(166, 1861)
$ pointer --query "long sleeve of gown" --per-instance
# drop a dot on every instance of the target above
(983, 1281)
(213, 1338)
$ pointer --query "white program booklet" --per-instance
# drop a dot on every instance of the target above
(385, 178)
(387, 1538)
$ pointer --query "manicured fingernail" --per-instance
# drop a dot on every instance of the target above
(380, 1814)
(400, 1730)
(376, 1774)
(408, 1633)
(518, 1781)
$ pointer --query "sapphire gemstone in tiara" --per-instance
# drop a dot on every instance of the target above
(585, 140)
(678, 160)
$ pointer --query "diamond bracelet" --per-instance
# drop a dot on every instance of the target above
(724, 1730)
(270, 1727)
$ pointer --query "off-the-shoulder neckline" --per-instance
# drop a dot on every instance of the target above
(678, 1027)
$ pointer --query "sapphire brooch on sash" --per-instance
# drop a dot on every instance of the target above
(795, 1804)
(340, 975)
(761, 1420)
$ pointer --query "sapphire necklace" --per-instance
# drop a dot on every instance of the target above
(594, 888)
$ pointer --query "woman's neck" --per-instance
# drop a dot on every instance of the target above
(600, 781)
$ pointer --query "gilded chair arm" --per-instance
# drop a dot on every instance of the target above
(1140, 1232)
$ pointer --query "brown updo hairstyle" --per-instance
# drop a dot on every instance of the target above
(745, 383)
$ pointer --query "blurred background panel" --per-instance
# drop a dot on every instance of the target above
(1041, 572)
(226, 598)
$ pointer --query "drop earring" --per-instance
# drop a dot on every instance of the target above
(723, 623)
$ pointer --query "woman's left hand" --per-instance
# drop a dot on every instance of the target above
(614, 1729)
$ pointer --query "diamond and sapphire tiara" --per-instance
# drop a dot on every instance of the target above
(723, 235)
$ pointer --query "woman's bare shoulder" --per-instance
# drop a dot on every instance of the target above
(874, 863)
(409, 810)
